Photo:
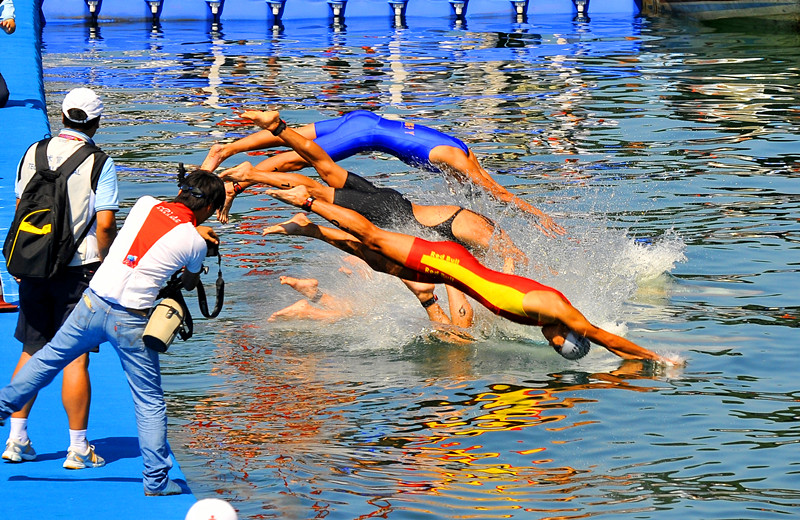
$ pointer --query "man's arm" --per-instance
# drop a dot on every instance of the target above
(188, 278)
(106, 231)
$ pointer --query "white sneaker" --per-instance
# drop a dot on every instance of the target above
(88, 459)
(19, 451)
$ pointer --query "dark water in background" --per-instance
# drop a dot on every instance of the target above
(668, 150)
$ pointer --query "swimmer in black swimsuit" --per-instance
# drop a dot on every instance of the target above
(361, 131)
(384, 207)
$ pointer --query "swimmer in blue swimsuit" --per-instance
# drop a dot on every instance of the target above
(385, 207)
(362, 131)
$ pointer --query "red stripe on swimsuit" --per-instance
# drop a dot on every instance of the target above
(452, 264)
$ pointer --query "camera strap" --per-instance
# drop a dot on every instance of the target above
(202, 301)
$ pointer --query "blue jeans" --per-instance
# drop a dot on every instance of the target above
(95, 321)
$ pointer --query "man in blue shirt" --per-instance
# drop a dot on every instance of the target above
(46, 303)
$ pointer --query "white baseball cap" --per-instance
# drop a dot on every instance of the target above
(84, 99)
(211, 508)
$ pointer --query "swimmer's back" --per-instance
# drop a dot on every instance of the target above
(363, 131)
(501, 293)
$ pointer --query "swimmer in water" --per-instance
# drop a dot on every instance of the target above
(519, 299)
(384, 207)
(329, 307)
(363, 131)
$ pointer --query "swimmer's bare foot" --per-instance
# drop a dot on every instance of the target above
(308, 287)
(267, 120)
(295, 196)
(223, 213)
(297, 225)
(299, 309)
(238, 173)
(214, 158)
(303, 310)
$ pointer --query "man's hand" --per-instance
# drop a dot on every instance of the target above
(9, 26)
(208, 234)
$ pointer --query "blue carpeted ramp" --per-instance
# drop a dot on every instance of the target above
(42, 489)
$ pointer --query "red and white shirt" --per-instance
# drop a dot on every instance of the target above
(157, 239)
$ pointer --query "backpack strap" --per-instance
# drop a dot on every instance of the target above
(40, 157)
(100, 159)
(69, 166)
(66, 169)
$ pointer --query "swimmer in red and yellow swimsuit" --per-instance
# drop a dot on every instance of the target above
(362, 131)
(514, 297)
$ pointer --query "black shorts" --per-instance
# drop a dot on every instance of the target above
(45, 304)
(384, 207)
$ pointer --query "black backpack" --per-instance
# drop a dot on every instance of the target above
(40, 241)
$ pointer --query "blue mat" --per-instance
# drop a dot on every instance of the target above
(42, 489)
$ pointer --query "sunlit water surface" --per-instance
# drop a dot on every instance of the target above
(670, 153)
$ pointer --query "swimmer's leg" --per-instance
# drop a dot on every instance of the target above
(302, 309)
(302, 226)
(257, 141)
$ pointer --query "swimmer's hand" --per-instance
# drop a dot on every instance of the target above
(266, 120)
(233, 175)
(549, 226)
(223, 213)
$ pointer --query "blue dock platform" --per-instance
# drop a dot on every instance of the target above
(43, 489)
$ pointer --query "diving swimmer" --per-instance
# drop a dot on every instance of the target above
(384, 207)
(516, 298)
(362, 131)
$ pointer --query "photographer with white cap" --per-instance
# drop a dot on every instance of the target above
(46, 301)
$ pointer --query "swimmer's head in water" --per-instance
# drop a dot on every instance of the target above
(574, 347)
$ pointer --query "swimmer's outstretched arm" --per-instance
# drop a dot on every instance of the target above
(454, 161)
(559, 317)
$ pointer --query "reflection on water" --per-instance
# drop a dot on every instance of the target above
(668, 151)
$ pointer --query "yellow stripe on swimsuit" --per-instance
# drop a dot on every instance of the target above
(500, 295)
